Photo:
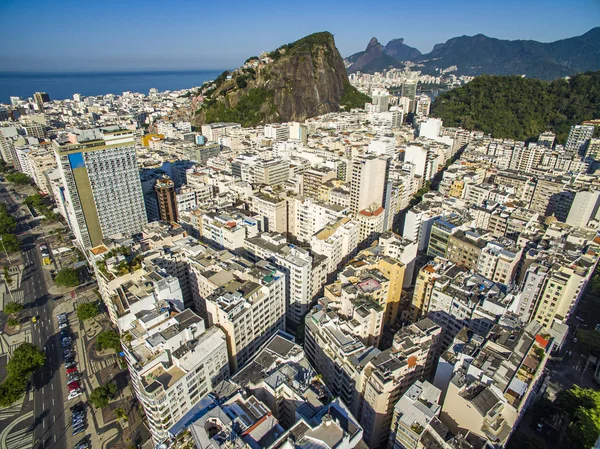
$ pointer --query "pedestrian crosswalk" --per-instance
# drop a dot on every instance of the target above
(20, 439)
(99, 365)
(11, 411)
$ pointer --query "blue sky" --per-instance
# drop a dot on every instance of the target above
(87, 35)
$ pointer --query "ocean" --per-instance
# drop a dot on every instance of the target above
(63, 85)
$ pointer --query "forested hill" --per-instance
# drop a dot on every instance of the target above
(302, 79)
(521, 108)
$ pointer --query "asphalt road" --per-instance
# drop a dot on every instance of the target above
(49, 398)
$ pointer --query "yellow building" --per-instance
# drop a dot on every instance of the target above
(394, 270)
(148, 137)
(457, 189)
(377, 277)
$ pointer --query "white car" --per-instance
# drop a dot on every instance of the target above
(73, 394)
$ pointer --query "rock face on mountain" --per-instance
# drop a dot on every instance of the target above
(476, 55)
(398, 50)
(373, 59)
(295, 82)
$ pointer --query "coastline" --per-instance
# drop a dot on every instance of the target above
(61, 86)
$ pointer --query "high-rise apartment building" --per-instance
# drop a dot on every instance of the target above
(41, 163)
(314, 178)
(40, 98)
(201, 153)
(272, 212)
(584, 208)
(167, 199)
(409, 90)
(36, 130)
(578, 140)
(368, 183)
(562, 290)
(103, 192)
(272, 172)
(277, 131)
(422, 105)
(593, 149)
(250, 311)
(367, 380)
(416, 424)
(306, 273)
(488, 383)
(174, 362)
(214, 131)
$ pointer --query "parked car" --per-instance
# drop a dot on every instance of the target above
(83, 444)
(73, 394)
(72, 370)
(77, 407)
(73, 378)
(76, 422)
(73, 384)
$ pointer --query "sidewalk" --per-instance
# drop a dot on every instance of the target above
(12, 292)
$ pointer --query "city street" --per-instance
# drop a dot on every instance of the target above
(48, 418)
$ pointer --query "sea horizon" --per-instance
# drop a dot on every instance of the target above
(63, 85)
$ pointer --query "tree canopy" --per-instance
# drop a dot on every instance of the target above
(100, 396)
(13, 308)
(67, 277)
(11, 243)
(108, 340)
(26, 359)
(41, 204)
(353, 98)
(87, 311)
(521, 108)
(8, 224)
(589, 339)
(12, 389)
(250, 110)
(18, 178)
(520, 440)
(582, 407)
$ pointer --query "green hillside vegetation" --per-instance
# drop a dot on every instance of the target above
(353, 98)
(248, 111)
(520, 108)
(306, 78)
(305, 44)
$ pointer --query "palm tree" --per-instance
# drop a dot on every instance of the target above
(7, 277)
(121, 414)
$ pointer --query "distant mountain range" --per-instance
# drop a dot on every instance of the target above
(376, 57)
(479, 54)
